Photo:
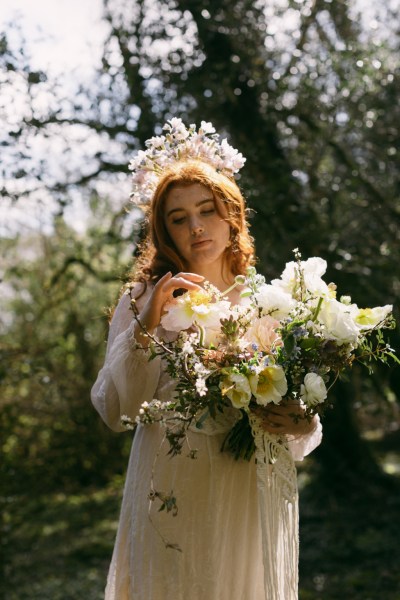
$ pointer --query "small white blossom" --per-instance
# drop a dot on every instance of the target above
(200, 386)
(200, 369)
(187, 348)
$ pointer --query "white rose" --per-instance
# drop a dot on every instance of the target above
(337, 322)
(274, 301)
(313, 390)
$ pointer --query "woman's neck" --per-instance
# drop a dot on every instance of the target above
(220, 278)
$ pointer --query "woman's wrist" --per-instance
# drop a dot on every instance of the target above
(140, 336)
(304, 426)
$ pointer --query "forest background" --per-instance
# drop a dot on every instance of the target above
(308, 90)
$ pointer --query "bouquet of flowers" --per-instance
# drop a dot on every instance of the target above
(286, 341)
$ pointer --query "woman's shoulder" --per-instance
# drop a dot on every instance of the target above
(122, 314)
(139, 291)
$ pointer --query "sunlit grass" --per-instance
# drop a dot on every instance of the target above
(58, 546)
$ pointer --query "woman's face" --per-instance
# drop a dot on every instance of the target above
(197, 229)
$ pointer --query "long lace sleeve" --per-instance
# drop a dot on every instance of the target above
(127, 378)
(302, 445)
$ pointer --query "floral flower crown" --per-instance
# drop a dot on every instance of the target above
(177, 144)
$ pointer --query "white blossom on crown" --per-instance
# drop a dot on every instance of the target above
(179, 143)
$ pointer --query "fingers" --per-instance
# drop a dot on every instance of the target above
(269, 421)
(187, 281)
(272, 426)
(193, 276)
(287, 418)
(279, 419)
(287, 409)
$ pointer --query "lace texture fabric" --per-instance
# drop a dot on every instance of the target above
(237, 521)
(278, 501)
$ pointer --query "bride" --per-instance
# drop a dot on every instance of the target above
(197, 231)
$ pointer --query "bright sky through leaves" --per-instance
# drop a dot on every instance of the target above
(61, 35)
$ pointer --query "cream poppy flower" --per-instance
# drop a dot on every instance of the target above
(337, 322)
(236, 386)
(269, 385)
(312, 271)
(194, 308)
(368, 318)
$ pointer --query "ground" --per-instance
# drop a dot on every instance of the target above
(58, 546)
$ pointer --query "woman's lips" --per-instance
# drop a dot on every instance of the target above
(200, 243)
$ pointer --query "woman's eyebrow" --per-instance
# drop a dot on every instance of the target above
(199, 203)
(211, 199)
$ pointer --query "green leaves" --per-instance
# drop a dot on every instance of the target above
(289, 344)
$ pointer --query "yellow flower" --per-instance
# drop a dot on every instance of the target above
(269, 385)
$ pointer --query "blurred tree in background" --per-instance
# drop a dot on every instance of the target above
(308, 91)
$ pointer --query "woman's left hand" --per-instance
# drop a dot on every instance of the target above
(285, 418)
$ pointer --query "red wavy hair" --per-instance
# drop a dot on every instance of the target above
(158, 254)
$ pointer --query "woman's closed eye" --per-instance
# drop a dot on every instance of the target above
(205, 213)
(178, 220)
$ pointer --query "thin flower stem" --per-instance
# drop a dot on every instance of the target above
(334, 381)
(230, 288)
(152, 496)
(317, 310)
(144, 329)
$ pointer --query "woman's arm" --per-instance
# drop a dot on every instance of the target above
(127, 378)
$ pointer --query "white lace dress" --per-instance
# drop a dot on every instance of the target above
(218, 521)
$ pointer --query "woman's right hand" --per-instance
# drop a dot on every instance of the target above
(162, 293)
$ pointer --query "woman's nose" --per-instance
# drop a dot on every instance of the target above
(196, 228)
